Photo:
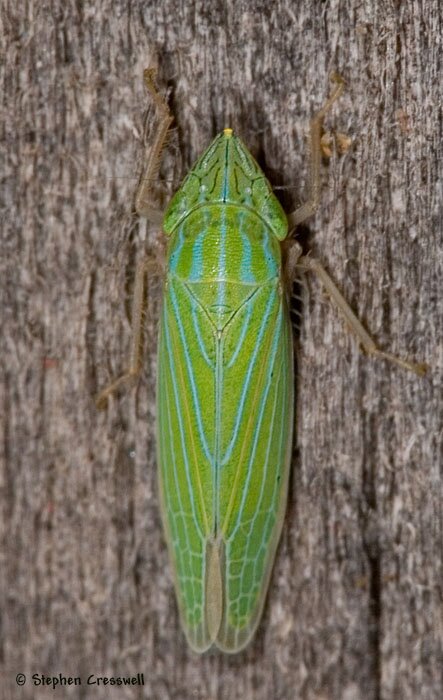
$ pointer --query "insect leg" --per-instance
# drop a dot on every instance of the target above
(145, 208)
(369, 346)
(143, 200)
(315, 131)
(130, 376)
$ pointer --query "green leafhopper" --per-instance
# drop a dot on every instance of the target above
(225, 378)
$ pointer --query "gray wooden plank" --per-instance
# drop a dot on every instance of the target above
(354, 609)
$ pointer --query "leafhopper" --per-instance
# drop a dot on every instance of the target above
(225, 376)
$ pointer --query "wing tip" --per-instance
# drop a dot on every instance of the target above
(214, 589)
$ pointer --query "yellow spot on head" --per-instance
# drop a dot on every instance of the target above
(227, 133)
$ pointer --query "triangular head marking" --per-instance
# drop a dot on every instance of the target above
(227, 173)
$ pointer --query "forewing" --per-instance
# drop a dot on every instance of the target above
(224, 444)
(185, 420)
(256, 443)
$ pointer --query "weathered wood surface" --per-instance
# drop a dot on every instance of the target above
(355, 605)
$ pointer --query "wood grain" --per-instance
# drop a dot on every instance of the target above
(355, 605)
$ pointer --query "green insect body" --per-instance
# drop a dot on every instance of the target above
(225, 376)
(224, 394)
